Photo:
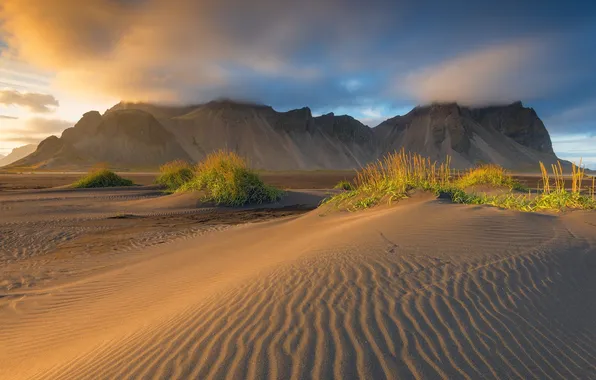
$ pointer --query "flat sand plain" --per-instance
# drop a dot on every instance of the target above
(129, 283)
(323, 179)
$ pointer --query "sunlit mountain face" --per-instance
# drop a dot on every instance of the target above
(372, 61)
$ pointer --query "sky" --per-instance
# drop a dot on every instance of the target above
(372, 60)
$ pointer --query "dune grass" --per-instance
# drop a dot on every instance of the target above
(174, 174)
(226, 179)
(397, 174)
(489, 174)
(391, 178)
(101, 178)
(344, 185)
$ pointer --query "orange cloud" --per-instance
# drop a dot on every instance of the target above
(177, 49)
(146, 50)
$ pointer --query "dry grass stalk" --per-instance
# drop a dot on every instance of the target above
(577, 177)
(545, 179)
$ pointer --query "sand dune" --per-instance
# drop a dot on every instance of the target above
(49, 235)
(422, 290)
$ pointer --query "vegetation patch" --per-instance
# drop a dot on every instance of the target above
(344, 185)
(226, 179)
(101, 178)
(391, 178)
(174, 174)
(489, 174)
(397, 174)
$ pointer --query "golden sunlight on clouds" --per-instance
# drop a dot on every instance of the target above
(133, 53)
(170, 50)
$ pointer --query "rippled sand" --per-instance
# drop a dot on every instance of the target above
(424, 289)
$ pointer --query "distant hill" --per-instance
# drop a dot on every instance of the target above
(139, 135)
(17, 154)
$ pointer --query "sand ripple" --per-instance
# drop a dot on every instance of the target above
(420, 291)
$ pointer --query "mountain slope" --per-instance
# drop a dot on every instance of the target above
(275, 140)
(512, 136)
(133, 135)
(122, 139)
(17, 154)
(143, 136)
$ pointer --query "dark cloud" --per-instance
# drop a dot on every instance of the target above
(8, 117)
(39, 103)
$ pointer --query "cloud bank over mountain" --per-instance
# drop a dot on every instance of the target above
(299, 52)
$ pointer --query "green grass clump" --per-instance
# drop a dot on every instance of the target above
(101, 178)
(397, 174)
(227, 179)
(391, 178)
(174, 174)
(556, 201)
(489, 174)
(562, 200)
(344, 185)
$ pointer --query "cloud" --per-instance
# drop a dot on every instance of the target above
(183, 49)
(8, 117)
(286, 53)
(22, 139)
(33, 130)
(42, 126)
(39, 103)
(494, 75)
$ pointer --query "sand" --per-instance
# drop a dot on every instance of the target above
(316, 179)
(424, 289)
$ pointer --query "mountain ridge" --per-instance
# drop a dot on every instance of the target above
(137, 135)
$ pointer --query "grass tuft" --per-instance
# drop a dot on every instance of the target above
(101, 178)
(489, 174)
(174, 174)
(344, 185)
(393, 177)
(227, 179)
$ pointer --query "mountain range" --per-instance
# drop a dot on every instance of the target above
(144, 136)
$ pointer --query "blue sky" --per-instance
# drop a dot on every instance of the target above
(372, 60)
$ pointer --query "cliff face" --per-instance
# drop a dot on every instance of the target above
(512, 136)
(144, 135)
(518, 123)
